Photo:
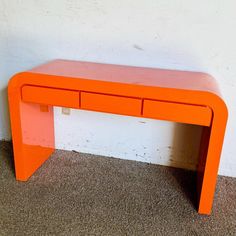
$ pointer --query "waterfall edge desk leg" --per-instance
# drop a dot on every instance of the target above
(32, 134)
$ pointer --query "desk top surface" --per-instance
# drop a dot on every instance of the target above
(129, 75)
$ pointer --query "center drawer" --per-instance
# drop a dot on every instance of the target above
(111, 104)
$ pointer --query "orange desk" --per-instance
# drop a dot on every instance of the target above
(179, 96)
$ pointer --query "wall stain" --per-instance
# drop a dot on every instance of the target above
(137, 47)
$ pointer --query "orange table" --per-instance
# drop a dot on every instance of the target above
(179, 96)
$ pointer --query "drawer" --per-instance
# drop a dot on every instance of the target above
(111, 104)
(50, 96)
(184, 113)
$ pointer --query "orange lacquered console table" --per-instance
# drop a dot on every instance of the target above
(179, 96)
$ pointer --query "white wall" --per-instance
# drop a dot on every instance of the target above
(181, 34)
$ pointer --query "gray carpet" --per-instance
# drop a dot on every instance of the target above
(81, 194)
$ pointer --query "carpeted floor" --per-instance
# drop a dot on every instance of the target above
(81, 194)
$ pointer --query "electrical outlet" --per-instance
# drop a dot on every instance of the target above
(65, 111)
(44, 108)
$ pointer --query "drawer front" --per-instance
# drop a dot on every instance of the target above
(50, 96)
(111, 104)
(189, 114)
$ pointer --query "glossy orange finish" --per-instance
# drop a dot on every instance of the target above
(111, 104)
(200, 115)
(50, 96)
(180, 96)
